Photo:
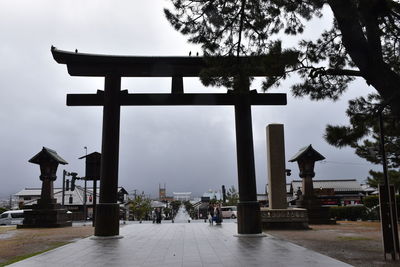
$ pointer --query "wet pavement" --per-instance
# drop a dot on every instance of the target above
(182, 216)
(180, 244)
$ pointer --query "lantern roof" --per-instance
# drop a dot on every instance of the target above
(47, 154)
(307, 152)
(92, 156)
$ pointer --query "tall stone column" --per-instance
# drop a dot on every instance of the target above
(107, 211)
(276, 167)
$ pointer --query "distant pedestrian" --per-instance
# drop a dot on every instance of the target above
(218, 214)
(153, 215)
(210, 212)
(158, 215)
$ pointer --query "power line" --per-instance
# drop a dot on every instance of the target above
(346, 163)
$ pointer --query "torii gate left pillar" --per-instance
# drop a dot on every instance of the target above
(107, 211)
(115, 67)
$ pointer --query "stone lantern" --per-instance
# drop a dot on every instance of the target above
(47, 212)
(306, 158)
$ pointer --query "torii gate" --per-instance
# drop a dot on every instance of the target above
(113, 68)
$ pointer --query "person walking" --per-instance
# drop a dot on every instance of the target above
(218, 214)
(210, 212)
(158, 215)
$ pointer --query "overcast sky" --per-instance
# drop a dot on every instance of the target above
(188, 148)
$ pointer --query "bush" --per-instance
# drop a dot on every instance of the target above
(2, 210)
(372, 204)
(352, 213)
(371, 201)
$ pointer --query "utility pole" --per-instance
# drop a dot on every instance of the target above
(63, 188)
(85, 192)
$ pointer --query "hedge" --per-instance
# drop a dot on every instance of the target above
(349, 213)
(370, 210)
(373, 201)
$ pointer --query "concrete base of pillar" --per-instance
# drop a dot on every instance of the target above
(46, 218)
(249, 219)
(107, 219)
(316, 213)
(250, 235)
(106, 237)
(274, 219)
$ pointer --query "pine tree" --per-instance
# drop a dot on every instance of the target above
(363, 135)
(362, 42)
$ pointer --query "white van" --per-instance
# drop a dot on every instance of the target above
(12, 217)
(229, 212)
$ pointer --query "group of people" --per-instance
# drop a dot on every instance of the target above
(214, 214)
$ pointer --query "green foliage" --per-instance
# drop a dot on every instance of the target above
(362, 41)
(188, 206)
(2, 210)
(363, 135)
(376, 178)
(175, 205)
(348, 212)
(371, 201)
(168, 213)
(372, 205)
(190, 209)
(232, 196)
(140, 207)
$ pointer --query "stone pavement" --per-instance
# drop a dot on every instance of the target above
(180, 244)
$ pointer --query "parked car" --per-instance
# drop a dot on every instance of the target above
(12, 217)
(229, 212)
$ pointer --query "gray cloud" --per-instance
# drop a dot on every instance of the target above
(189, 148)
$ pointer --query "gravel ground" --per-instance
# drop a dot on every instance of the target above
(356, 243)
(19, 242)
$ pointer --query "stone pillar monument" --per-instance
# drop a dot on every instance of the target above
(276, 167)
(277, 215)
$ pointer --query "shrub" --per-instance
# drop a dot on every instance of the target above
(2, 210)
(372, 204)
(371, 201)
(348, 212)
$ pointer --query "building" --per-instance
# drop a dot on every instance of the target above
(213, 194)
(333, 192)
(182, 196)
(73, 200)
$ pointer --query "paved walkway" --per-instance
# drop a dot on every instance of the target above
(182, 216)
(180, 244)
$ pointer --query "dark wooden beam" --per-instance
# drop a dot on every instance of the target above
(83, 64)
(176, 99)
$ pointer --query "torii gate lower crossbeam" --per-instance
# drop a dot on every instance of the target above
(107, 212)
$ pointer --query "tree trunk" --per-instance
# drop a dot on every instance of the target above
(364, 48)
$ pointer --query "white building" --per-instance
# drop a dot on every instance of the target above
(73, 200)
(182, 196)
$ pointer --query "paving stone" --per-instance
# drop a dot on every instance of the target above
(180, 244)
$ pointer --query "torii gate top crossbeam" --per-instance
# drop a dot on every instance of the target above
(82, 64)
